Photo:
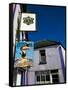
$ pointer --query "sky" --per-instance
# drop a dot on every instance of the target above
(50, 23)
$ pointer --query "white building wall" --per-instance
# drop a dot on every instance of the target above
(53, 62)
(61, 78)
(31, 78)
(52, 59)
(15, 23)
(18, 82)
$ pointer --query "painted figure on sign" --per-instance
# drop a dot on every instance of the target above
(23, 54)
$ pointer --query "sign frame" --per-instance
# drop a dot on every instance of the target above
(28, 29)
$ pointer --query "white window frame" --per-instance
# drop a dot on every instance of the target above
(42, 73)
(40, 59)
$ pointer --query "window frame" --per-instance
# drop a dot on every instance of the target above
(40, 74)
(42, 59)
(50, 73)
(55, 73)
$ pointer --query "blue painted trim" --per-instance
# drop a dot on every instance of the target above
(23, 78)
(27, 76)
(62, 61)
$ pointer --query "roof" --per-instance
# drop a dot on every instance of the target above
(45, 43)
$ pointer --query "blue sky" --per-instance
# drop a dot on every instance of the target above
(50, 23)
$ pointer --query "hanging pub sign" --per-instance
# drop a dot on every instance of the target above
(28, 22)
(24, 54)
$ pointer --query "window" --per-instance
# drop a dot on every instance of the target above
(55, 76)
(38, 78)
(46, 77)
(54, 71)
(42, 77)
(43, 57)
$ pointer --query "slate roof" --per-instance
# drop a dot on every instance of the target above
(45, 43)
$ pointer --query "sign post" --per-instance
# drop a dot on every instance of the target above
(24, 47)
